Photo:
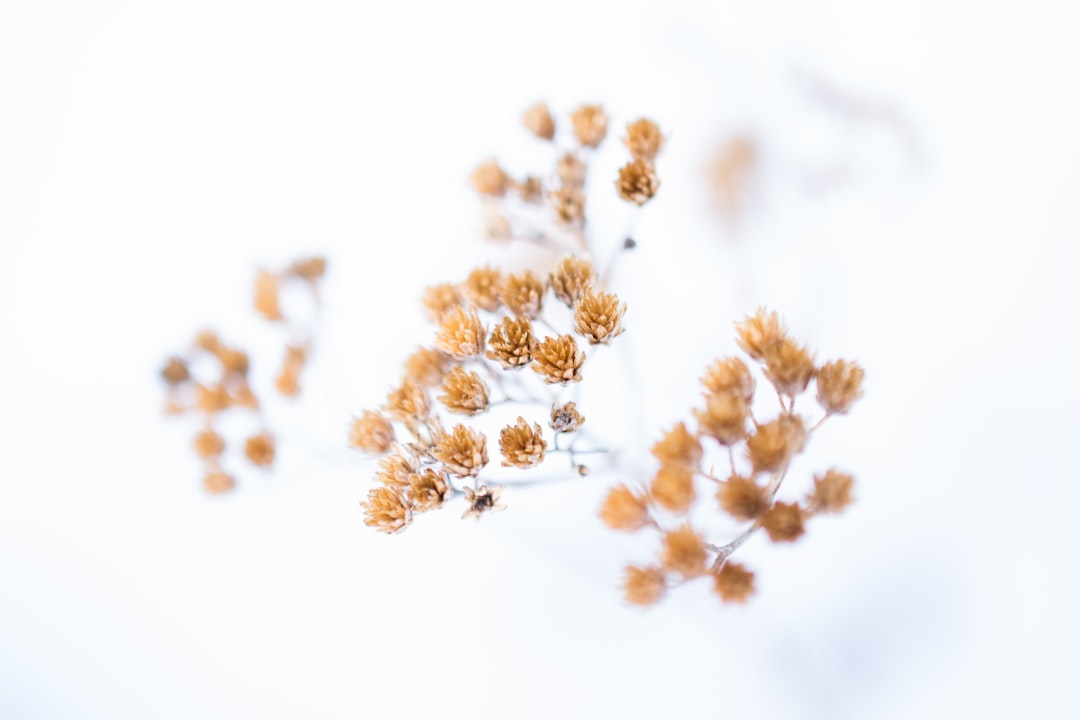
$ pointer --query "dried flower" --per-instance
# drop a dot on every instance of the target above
(590, 125)
(570, 170)
(266, 296)
(288, 381)
(371, 433)
(783, 522)
(571, 279)
(730, 375)
(643, 139)
(440, 299)
(310, 269)
(259, 449)
(759, 331)
(463, 451)
(644, 586)
(775, 443)
(464, 392)
(568, 202)
(558, 359)
(637, 182)
(426, 366)
(742, 498)
(461, 334)
(598, 316)
(538, 120)
(234, 362)
(386, 510)
(522, 445)
(212, 398)
(489, 179)
(218, 482)
(175, 372)
(684, 552)
(512, 342)
(788, 366)
(208, 340)
(482, 500)
(531, 190)
(209, 444)
(523, 294)
(397, 468)
(839, 385)
(408, 402)
(734, 583)
(832, 492)
(565, 418)
(482, 288)
(724, 418)
(624, 510)
(427, 490)
(678, 446)
(673, 487)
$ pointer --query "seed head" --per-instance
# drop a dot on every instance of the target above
(742, 498)
(218, 482)
(212, 398)
(408, 402)
(730, 375)
(209, 444)
(266, 296)
(568, 202)
(462, 451)
(482, 500)
(624, 510)
(482, 287)
(783, 522)
(538, 121)
(637, 182)
(571, 279)
(427, 490)
(673, 487)
(598, 316)
(371, 433)
(643, 139)
(678, 446)
(558, 359)
(386, 510)
(839, 385)
(426, 366)
(565, 418)
(523, 294)
(759, 331)
(512, 343)
(734, 583)
(832, 492)
(644, 585)
(773, 444)
(310, 269)
(440, 299)
(461, 334)
(259, 449)
(684, 552)
(175, 372)
(397, 468)
(522, 445)
(489, 179)
(571, 170)
(590, 125)
(464, 392)
(724, 417)
(788, 366)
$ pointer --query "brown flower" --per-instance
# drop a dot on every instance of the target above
(371, 433)
(684, 552)
(678, 447)
(644, 586)
(558, 359)
(624, 510)
(523, 293)
(175, 372)
(464, 392)
(590, 125)
(673, 487)
(783, 522)
(637, 182)
(310, 269)
(788, 366)
(463, 451)
(724, 418)
(734, 583)
(598, 316)
(568, 202)
(512, 342)
(482, 500)
(538, 121)
(742, 498)
(386, 510)
(440, 299)
(730, 375)
(565, 418)
(482, 287)
(759, 331)
(832, 492)
(208, 340)
(571, 279)
(643, 139)
(397, 468)
(212, 398)
(839, 385)
(571, 170)
(522, 445)
(408, 402)
(209, 444)
(461, 334)
(234, 362)
(531, 190)
(426, 366)
(489, 179)
(259, 449)
(218, 482)
(773, 445)
(266, 296)
(427, 490)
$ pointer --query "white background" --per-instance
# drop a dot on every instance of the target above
(152, 154)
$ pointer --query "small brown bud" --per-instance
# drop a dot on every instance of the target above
(571, 170)
(175, 372)
(832, 492)
(730, 375)
(673, 487)
(734, 583)
(568, 202)
(643, 139)
(788, 366)
(598, 316)
(773, 445)
(440, 299)
(386, 510)
(426, 366)
(212, 398)
(759, 331)
(408, 402)
(637, 182)
(678, 446)
(489, 179)
(310, 269)
(522, 445)
(839, 385)
(644, 586)
(590, 125)
(523, 294)
(209, 444)
(464, 392)
(742, 498)
(461, 334)
(565, 418)
(481, 501)
(558, 359)
(684, 552)
(371, 433)
(218, 482)
(571, 279)
(783, 522)
(482, 288)
(724, 418)
(512, 343)
(427, 490)
(266, 296)
(462, 451)
(624, 510)
(259, 449)
(538, 121)
(397, 468)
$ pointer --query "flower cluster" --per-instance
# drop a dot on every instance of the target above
(758, 456)
(226, 386)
